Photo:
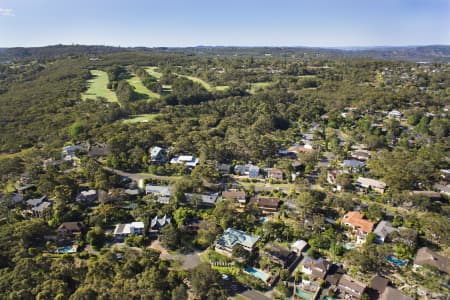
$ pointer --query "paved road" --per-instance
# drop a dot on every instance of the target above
(139, 176)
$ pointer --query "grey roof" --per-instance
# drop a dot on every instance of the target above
(232, 237)
(132, 192)
(41, 207)
(369, 182)
(383, 229)
(36, 201)
(158, 222)
(206, 199)
(353, 163)
(163, 190)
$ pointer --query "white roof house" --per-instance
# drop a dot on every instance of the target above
(187, 160)
(299, 246)
(130, 228)
(232, 237)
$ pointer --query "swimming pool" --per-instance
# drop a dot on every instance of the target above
(258, 273)
(65, 250)
(263, 220)
(304, 295)
(395, 261)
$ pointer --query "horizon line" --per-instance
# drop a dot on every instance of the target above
(354, 47)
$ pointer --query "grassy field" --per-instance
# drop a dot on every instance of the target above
(140, 88)
(140, 118)
(98, 87)
(205, 84)
(258, 85)
(153, 72)
(22, 153)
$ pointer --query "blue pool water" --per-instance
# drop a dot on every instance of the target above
(396, 261)
(304, 295)
(263, 220)
(257, 273)
(65, 250)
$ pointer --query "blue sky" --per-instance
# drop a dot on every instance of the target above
(332, 23)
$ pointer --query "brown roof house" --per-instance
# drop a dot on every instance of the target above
(391, 293)
(425, 256)
(274, 173)
(351, 288)
(316, 268)
(69, 230)
(360, 226)
(279, 255)
(267, 205)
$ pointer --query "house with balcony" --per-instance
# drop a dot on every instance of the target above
(359, 226)
(233, 237)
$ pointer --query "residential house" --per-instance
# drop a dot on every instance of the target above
(267, 205)
(332, 176)
(35, 201)
(205, 199)
(391, 293)
(157, 223)
(275, 174)
(316, 268)
(425, 256)
(395, 114)
(121, 231)
(368, 184)
(362, 155)
(38, 210)
(353, 165)
(379, 284)
(249, 170)
(334, 274)
(68, 153)
(279, 255)
(299, 246)
(162, 192)
(298, 149)
(69, 230)
(187, 160)
(360, 226)
(89, 196)
(157, 155)
(233, 237)
(224, 169)
(235, 195)
(382, 231)
(24, 188)
(351, 288)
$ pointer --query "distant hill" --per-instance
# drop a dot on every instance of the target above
(434, 53)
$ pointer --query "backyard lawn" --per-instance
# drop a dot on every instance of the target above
(98, 87)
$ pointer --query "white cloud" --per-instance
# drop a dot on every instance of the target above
(6, 12)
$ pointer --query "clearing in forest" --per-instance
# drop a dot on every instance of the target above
(140, 118)
(98, 87)
(257, 86)
(136, 82)
(205, 84)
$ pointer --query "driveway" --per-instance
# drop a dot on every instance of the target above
(189, 260)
